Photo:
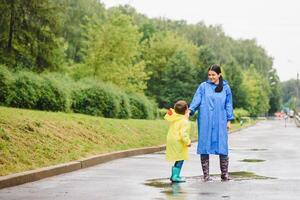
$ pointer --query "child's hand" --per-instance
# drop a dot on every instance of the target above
(189, 145)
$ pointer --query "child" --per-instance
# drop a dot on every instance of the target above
(178, 139)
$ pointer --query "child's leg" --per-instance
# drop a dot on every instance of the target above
(179, 164)
(176, 171)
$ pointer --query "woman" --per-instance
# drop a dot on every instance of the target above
(213, 100)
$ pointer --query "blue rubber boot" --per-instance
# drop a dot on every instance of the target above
(175, 175)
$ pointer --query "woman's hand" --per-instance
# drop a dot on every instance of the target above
(228, 125)
(187, 113)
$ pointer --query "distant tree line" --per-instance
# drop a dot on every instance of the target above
(160, 58)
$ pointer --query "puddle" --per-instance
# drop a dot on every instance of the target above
(225, 196)
(182, 189)
(235, 176)
(252, 160)
(207, 193)
(159, 183)
(243, 175)
(240, 149)
(258, 149)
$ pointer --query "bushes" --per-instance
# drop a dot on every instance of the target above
(95, 101)
(5, 81)
(56, 92)
(25, 91)
(32, 91)
(240, 113)
(162, 112)
(107, 101)
(142, 108)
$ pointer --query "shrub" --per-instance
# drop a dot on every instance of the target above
(5, 81)
(25, 91)
(63, 83)
(34, 92)
(141, 107)
(162, 112)
(240, 113)
(96, 100)
(52, 97)
(124, 112)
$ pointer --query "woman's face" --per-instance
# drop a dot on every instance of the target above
(213, 76)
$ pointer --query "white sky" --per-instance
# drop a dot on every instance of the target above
(275, 24)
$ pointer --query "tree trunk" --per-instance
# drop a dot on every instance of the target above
(11, 26)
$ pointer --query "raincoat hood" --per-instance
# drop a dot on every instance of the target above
(172, 116)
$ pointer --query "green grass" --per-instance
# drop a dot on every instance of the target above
(34, 139)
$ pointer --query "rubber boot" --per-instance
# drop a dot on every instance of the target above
(175, 175)
(224, 168)
(205, 168)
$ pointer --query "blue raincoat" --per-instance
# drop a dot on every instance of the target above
(214, 110)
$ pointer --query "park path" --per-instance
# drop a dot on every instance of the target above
(146, 176)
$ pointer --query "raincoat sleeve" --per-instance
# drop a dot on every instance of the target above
(196, 100)
(185, 133)
(228, 105)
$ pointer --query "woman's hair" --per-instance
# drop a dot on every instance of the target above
(217, 69)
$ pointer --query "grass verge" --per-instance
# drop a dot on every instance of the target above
(34, 139)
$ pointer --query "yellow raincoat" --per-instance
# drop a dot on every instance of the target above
(178, 136)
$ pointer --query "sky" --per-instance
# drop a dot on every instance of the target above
(275, 24)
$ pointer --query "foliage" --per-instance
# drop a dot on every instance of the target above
(96, 100)
(178, 81)
(163, 54)
(162, 58)
(6, 78)
(29, 34)
(234, 75)
(77, 15)
(113, 51)
(240, 113)
(257, 101)
(34, 92)
(141, 107)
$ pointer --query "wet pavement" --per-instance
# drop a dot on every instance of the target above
(264, 164)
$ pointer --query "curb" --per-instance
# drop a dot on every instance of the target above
(35, 175)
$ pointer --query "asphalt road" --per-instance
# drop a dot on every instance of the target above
(264, 164)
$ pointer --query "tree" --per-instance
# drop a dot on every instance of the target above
(257, 92)
(234, 75)
(275, 93)
(113, 54)
(78, 13)
(157, 54)
(206, 58)
(29, 34)
(178, 81)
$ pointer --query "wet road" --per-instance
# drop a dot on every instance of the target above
(268, 150)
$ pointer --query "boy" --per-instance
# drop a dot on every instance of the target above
(178, 139)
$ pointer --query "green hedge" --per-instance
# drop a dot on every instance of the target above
(97, 101)
(6, 79)
(34, 92)
(240, 113)
(58, 92)
(142, 108)
(102, 99)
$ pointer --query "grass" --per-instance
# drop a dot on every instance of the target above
(34, 139)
